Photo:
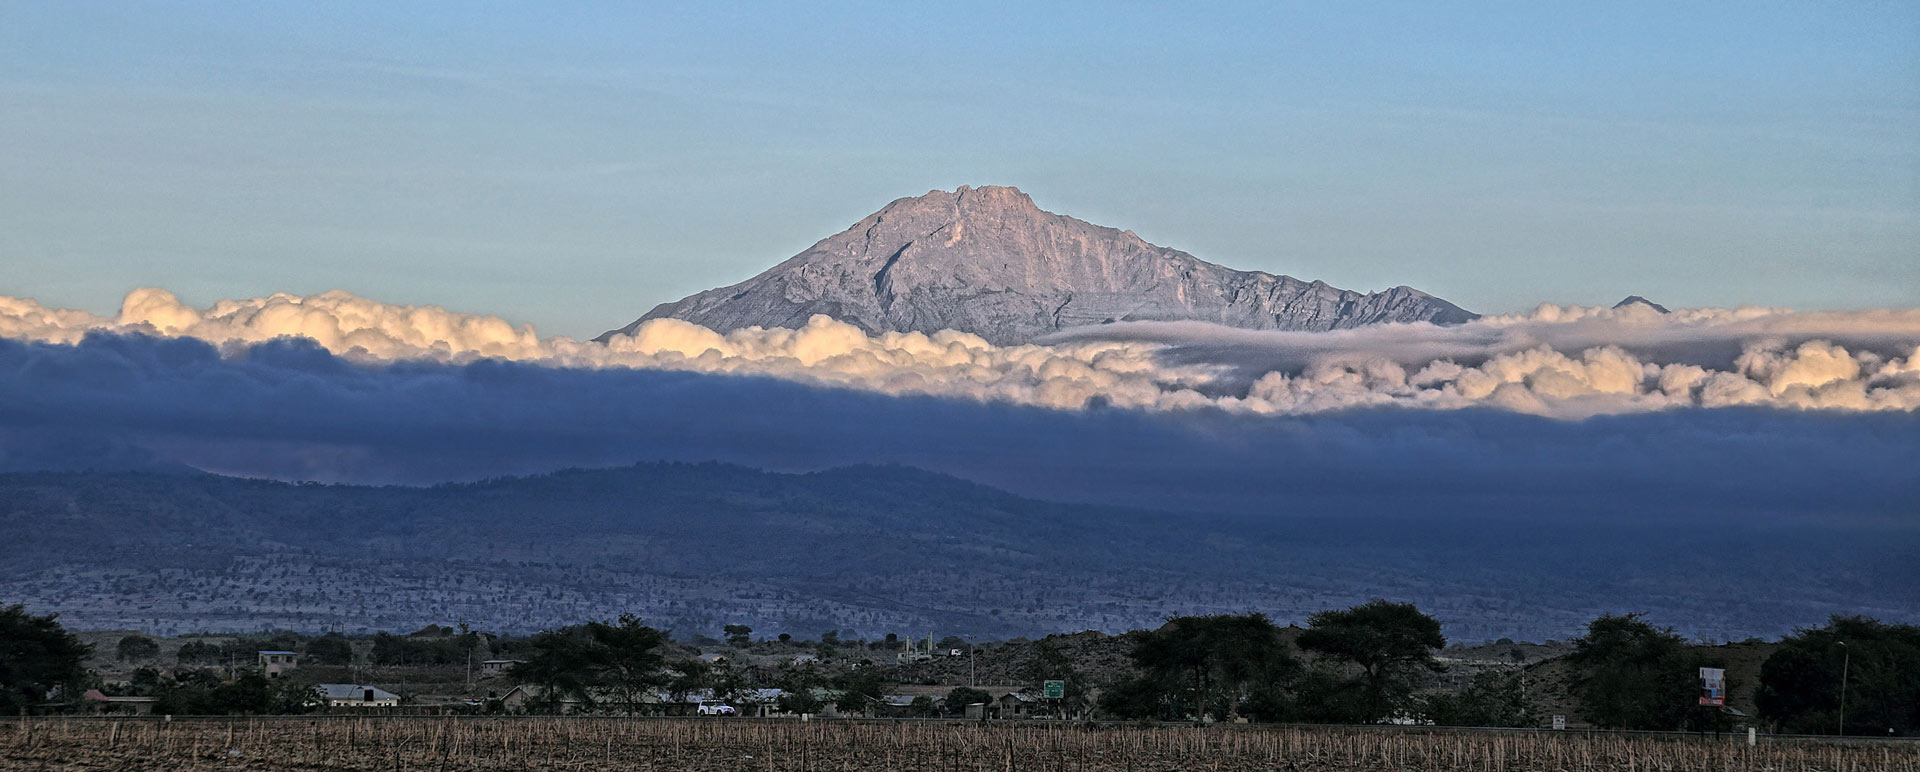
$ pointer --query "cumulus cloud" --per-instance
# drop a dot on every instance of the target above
(1565, 362)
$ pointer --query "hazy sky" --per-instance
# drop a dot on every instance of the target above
(573, 167)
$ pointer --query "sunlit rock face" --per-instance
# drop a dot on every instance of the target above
(989, 262)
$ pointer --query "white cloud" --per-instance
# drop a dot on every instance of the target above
(1561, 361)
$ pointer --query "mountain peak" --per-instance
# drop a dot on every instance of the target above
(967, 200)
(989, 261)
(1637, 300)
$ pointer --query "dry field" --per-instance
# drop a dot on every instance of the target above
(746, 745)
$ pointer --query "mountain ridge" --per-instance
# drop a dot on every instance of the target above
(989, 261)
(695, 546)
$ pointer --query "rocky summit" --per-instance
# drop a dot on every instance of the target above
(988, 261)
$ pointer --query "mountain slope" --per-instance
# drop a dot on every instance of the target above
(871, 549)
(988, 261)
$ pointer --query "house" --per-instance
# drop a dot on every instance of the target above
(276, 663)
(534, 699)
(760, 703)
(498, 667)
(357, 696)
(1012, 705)
(98, 702)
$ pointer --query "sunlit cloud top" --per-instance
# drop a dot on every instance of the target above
(1567, 362)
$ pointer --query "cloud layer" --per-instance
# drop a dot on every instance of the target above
(289, 409)
(379, 394)
(1567, 362)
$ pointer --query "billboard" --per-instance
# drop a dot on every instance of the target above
(1713, 686)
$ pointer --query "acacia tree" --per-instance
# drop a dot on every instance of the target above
(36, 656)
(1210, 663)
(559, 669)
(959, 697)
(1389, 643)
(1632, 675)
(599, 666)
(1800, 683)
(860, 690)
(1051, 663)
(797, 683)
(626, 661)
(136, 648)
(1492, 698)
(330, 649)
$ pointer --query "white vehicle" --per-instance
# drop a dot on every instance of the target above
(716, 709)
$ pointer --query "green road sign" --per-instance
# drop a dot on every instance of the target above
(1054, 690)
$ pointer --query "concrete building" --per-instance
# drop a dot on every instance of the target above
(276, 663)
(497, 667)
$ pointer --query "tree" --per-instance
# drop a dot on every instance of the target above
(626, 661)
(798, 682)
(203, 693)
(1629, 674)
(199, 653)
(1800, 683)
(738, 635)
(798, 702)
(1051, 663)
(596, 666)
(727, 682)
(330, 649)
(136, 648)
(959, 697)
(559, 668)
(688, 676)
(860, 690)
(1390, 644)
(1492, 698)
(1203, 664)
(37, 655)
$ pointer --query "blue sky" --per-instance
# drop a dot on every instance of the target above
(573, 165)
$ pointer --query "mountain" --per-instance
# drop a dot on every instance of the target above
(988, 261)
(870, 549)
(1637, 300)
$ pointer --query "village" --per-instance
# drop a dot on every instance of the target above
(1247, 670)
(342, 676)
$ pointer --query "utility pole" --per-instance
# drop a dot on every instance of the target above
(972, 670)
(1845, 660)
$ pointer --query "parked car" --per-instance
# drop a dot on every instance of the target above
(716, 709)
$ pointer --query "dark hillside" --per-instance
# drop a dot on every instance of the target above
(870, 550)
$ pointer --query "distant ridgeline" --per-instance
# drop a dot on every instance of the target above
(867, 550)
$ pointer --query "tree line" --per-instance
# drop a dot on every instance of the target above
(1363, 664)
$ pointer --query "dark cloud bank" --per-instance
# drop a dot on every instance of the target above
(1766, 492)
(290, 410)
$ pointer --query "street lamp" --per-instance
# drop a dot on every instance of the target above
(1845, 660)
